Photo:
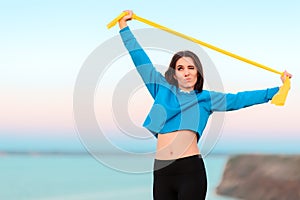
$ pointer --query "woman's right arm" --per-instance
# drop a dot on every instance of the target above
(150, 76)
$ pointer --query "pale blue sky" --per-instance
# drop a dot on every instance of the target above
(44, 44)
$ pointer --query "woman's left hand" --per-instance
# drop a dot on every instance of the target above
(285, 75)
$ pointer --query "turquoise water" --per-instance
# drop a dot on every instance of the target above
(81, 177)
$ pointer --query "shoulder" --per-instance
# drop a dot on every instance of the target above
(205, 94)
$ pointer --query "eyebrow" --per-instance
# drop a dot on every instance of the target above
(187, 66)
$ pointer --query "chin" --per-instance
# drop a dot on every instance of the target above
(190, 86)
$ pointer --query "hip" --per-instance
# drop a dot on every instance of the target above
(191, 164)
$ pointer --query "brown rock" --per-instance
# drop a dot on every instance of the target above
(262, 177)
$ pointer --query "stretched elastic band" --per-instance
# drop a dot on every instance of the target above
(115, 20)
(280, 96)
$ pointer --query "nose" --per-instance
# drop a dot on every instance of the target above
(186, 72)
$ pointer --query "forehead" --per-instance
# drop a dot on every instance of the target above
(185, 61)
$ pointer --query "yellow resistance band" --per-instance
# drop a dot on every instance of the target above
(278, 99)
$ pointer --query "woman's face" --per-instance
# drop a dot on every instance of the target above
(186, 73)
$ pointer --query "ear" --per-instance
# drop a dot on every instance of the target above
(174, 77)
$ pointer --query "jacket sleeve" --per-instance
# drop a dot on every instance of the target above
(151, 77)
(227, 102)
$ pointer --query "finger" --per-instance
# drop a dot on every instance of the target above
(288, 74)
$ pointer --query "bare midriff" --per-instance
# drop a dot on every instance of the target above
(177, 144)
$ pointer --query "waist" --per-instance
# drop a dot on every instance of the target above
(177, 166)
(175, 145)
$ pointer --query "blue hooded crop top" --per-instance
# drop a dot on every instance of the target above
(173, 109)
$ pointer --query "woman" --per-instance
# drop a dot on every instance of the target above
(178, 117)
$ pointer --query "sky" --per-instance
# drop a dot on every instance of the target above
(44, 45)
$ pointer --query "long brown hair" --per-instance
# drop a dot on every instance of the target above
(169, 75)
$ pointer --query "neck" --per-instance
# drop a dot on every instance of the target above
(185, 90)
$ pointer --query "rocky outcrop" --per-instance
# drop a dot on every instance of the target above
(261, 177)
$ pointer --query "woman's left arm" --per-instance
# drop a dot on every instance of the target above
(227, 102)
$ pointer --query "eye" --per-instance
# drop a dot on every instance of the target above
(191, 67)
(179, 67)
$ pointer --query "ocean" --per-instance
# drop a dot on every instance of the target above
(82, 177)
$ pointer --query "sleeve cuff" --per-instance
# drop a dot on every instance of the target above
(124, 29)
(271, 92)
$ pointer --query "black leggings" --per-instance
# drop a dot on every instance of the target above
(181, 179)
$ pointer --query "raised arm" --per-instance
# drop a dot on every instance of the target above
(152, 78)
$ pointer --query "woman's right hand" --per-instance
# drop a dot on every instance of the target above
(123, 20)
